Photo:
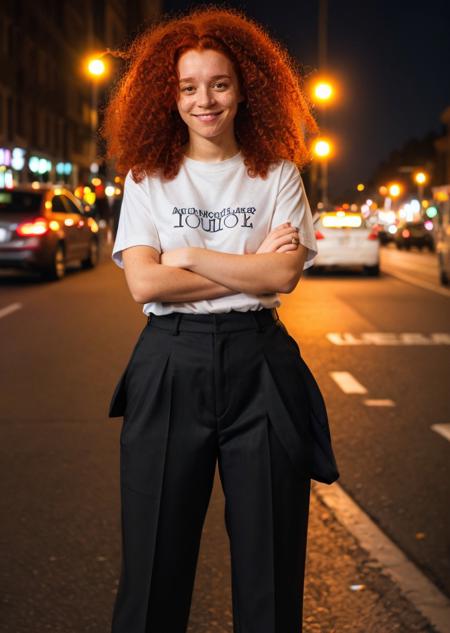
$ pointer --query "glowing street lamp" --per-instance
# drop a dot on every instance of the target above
(322, 149)
(420, 178)
(96, 67)
(323, 91)
(394, 190)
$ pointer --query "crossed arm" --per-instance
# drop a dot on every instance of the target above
(192, 274)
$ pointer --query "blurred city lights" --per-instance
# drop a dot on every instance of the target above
(322, 148)
(360, 187)
(394, 190)
(323, 91)
(420, 177)
(96, 67)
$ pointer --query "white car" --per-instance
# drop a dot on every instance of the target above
(345, 239)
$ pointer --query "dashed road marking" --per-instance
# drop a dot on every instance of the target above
(9, 309)
(379, 402)
(347, 382)
(389, 338)
(442, 429)
(420, 591)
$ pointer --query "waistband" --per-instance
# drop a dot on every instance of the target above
(223, 322)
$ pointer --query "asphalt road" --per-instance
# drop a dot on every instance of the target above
(63, 348)
(392, 463)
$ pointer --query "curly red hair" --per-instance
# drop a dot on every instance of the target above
(142, 127)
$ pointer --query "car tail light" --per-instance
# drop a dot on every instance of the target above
(319, 235)
(38, 226)
(373, 235)
(405, 233)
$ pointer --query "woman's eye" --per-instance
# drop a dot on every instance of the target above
(219, 84)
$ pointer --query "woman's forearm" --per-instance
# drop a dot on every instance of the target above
(172, 284)
(253, 273)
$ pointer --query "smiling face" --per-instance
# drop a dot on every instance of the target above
(208, 96)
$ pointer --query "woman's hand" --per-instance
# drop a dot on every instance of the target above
(279, 240)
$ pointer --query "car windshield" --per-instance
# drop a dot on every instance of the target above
(20, 201)
(340, 220)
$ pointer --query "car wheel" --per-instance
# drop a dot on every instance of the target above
(92, 259)
(57, 268)
(372, 271)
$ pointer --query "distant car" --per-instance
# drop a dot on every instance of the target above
(44, 229)
(386, 233)
(418, 234)
(345, 239)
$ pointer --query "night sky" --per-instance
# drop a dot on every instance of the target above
(392, 62)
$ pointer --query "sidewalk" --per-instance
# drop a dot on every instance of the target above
(345, 590)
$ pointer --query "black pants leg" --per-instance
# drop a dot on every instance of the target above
(201, 388)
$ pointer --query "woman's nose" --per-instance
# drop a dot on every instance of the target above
(204, 97)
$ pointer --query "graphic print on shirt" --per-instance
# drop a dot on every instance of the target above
(214, 221)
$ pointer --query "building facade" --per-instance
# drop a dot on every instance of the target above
(48, 101)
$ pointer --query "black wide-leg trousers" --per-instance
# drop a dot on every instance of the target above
(201, 388)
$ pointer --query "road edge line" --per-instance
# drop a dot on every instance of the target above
(416, 587)
(418, 283)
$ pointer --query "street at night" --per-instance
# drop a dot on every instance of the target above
(178, 168)
(60, 486)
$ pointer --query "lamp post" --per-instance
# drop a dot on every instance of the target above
(420, 178)
(322, 149)
(96, 69)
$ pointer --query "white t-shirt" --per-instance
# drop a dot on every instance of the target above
(216, 206)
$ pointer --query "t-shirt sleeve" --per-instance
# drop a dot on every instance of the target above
(136, 225)
(292, 206)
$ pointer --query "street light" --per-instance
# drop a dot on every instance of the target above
(420, 178)
(323, 91)
(323, 148)
(97, 69)
(394, 190)
(96, 66)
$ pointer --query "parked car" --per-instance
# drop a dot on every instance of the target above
(443, 239)
(345, 239)
(44, 229)
(419, 234)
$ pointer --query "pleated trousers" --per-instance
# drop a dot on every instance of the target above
(201, 388)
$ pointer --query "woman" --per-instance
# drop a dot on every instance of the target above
(209, 125)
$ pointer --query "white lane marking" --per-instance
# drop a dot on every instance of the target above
(420, 591)
(11, 308)
(347, 382)
(379, 403)
(421, 284)
(442, 429)
(388, 338)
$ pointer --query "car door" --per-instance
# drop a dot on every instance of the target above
(68, 221)
(82, 230)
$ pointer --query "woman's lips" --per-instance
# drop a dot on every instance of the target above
(206, 118)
